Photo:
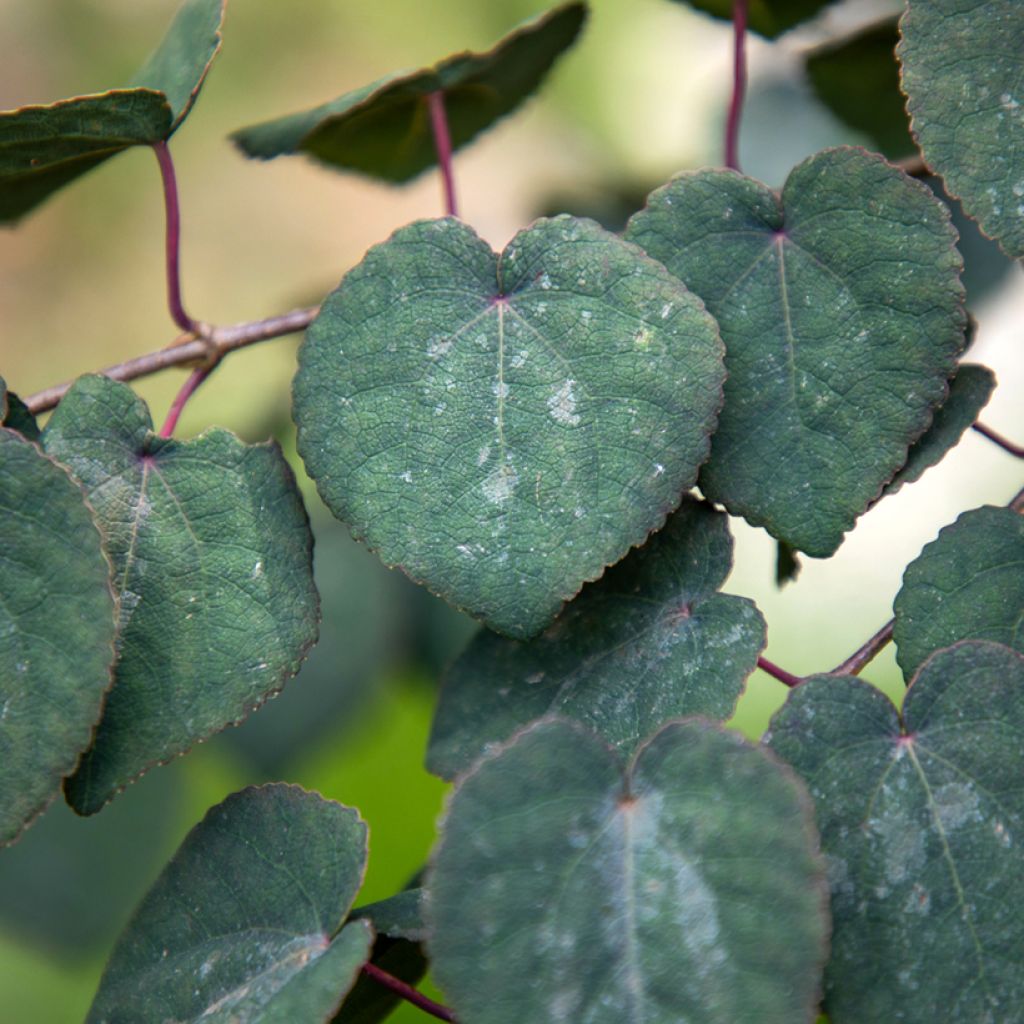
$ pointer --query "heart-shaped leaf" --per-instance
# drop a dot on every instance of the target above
(961, 73)
(383, 129)
(245, 922)
(687, 887)
(43, 148)
(969, 392)
(505, 427)
(921, 822)
(212, 564)
(14, 414)
(769, 18)
(650, 641)
(842, 312)
(967, 584)
(57, 618)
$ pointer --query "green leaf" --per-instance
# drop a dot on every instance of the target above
(212, 563)
(967, 584)
(769, 18)
(14, 414)
(383, 129)
(57, 618)
(243, 923)
(399, 916)
(921, 823)
(44, 148)
(858, 79)
(369, 1001)
(842, 312)
(969, 392)
(961, 73)
(504, 427)
(787, 564)
(687, 887)
(652, 640)
(179, 65)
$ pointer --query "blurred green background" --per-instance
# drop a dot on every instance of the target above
(81, 286)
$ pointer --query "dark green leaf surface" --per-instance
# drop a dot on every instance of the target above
(243, 923)
(969, 392)
(769, 18)
(369, 1001)
(179, 65)
(842, 312)
(650, 641)
(858, 79)
(399, 916)
(57, 617)
(787, 564)
(384, 128)
(212, 558)
(967, 584)
(43, 148)
(921, 826)
(14, 414)
(961, 71)
(688, 888)
(504, 427)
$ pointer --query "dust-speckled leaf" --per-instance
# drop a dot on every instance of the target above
(842, 312)
(650, 641)
(969, 392)
(769, 18)
(383, 129)
(961, 63)
(504, 427)
(243, 923)
(688, 887)
(921, 825)
(967, 584)
(212, 564)
(399, 916)
(858, 79)
(14, 414)
(57, 618)
(44, 148)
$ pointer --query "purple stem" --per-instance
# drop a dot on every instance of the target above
(173, 241)
(865, 653)
(787, 678)
(739, 83)
(407, 992)
(188, 389)
(443, 144)
(1013, 449)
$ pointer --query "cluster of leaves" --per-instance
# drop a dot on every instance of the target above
(505, 427)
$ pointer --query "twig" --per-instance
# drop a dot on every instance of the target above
(864, 654)
(739, 83)
(443, 144)
(209, 349)
(407, 992)
(172, 245)
(1014, 449)
(188, 389)
(787, 678)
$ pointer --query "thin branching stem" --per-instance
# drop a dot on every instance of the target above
(784, 677)
(1014, 449)
(188, 389)
(407, 992)
(443, 144)
(172, 245)
(739, 84)
(865, 653)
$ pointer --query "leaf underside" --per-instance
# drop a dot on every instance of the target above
(921, 826)
(769, 18)
(505, 427)
(650, 641)
(606, 896)
(841, 309)
(212, 565)
(57, 618)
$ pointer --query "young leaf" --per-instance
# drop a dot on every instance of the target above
(57, 618)
(769, 18)
(969, 392)
(14, 414)
(842, 312)
(383, 129)
(245, 922)
(399, 916)
(921, 823)
(43, 148)
(961, 73)
(504, 427)
(652, 640)
(687, 887)
(967, 584)
(212, 563)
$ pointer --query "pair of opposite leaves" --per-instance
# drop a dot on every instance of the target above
(505, 427)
